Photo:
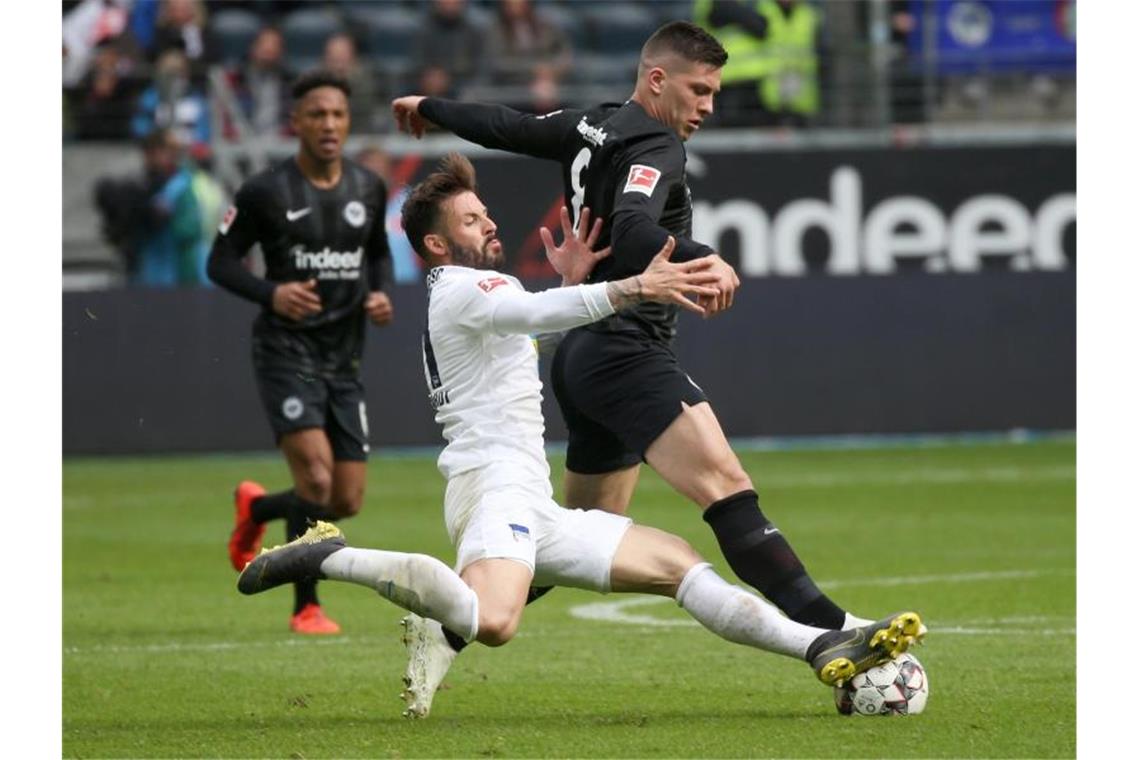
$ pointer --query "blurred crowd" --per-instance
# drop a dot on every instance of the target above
(131, 66)
(176, 76)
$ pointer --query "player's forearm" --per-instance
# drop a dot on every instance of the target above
(228, 272)
(492, 126)
(636, 239)
(625, 293)
(552, 310)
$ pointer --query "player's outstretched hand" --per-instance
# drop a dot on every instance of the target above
(378, 307)
(407, 113)
(297, 300)
(664, 281)
(576, 257)
(726, 285)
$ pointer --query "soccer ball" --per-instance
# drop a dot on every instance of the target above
(897, 687)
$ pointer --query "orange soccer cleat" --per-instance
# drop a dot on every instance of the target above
(246, 537)
(312, 620)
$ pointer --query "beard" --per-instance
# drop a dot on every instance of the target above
(481, 258)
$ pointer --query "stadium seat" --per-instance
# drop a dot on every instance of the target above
(231, 31)
(672, 10)
(607, 71)
(617, 28)
(305, 32)
(565, 19)
(387, 31)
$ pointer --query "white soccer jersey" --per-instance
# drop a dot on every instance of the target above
(481, 365)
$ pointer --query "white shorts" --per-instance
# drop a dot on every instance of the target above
(562, 547)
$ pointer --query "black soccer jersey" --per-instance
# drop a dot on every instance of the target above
(335, 236)
(625, 166)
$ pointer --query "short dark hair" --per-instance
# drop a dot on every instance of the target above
(424, 205)
(687, 40)
(311, 80)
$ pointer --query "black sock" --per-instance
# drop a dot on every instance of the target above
(273, 506)
(298, 516)
(456, 641)
(760, 555)
(278, 506)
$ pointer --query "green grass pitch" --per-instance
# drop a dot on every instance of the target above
(163, 658)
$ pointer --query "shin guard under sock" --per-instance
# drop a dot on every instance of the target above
(760, 556)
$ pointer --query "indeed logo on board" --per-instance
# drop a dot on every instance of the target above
(901, 227)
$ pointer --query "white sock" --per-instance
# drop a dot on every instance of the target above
(416, 582)
(737, 615)
(851, 621)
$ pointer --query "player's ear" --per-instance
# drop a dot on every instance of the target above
(656, 79)
(435, 244)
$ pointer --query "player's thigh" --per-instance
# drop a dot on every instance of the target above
(694, 457)
(347, 495)
(293, 401)
(496, 523)
(581, 376)
(651, 561)
(310, 461)
(619, 384)
(610, 491)
(346, 419)
(576, 547)
(346, 427)
(501, 585)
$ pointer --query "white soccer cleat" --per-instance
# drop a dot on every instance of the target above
(429, 658)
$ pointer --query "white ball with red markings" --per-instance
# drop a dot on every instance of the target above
(898, 687)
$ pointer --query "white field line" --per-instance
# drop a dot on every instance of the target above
(616, 612)
(620, 611)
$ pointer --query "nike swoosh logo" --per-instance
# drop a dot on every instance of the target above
(293, 216)
(855, 639)
(770, 531)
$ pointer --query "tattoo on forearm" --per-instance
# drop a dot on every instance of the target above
(623, 293)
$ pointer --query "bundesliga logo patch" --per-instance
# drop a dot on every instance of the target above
(642, 179)
(520, 532)
(490, 283)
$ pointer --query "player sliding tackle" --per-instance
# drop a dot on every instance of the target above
(483, 381)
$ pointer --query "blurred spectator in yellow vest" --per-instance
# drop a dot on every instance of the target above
(772, 74)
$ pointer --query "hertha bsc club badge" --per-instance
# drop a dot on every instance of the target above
(354, 214)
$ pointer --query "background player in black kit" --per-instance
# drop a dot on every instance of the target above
(623, 395)
(320, 221)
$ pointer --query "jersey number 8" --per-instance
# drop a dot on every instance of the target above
(581, 163)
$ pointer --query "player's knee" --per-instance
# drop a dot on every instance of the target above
(497, 627)
(725, 477)
(315, 483)
(678, 558)
(347, 504)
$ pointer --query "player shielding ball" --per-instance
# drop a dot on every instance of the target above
(622, 392)
(482, 376)
(319, 219)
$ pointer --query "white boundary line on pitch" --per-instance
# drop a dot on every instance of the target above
(616, 612)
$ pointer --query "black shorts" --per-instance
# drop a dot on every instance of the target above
(618, 390)
(297, 396)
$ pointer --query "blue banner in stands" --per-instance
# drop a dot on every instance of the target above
(998, 35)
